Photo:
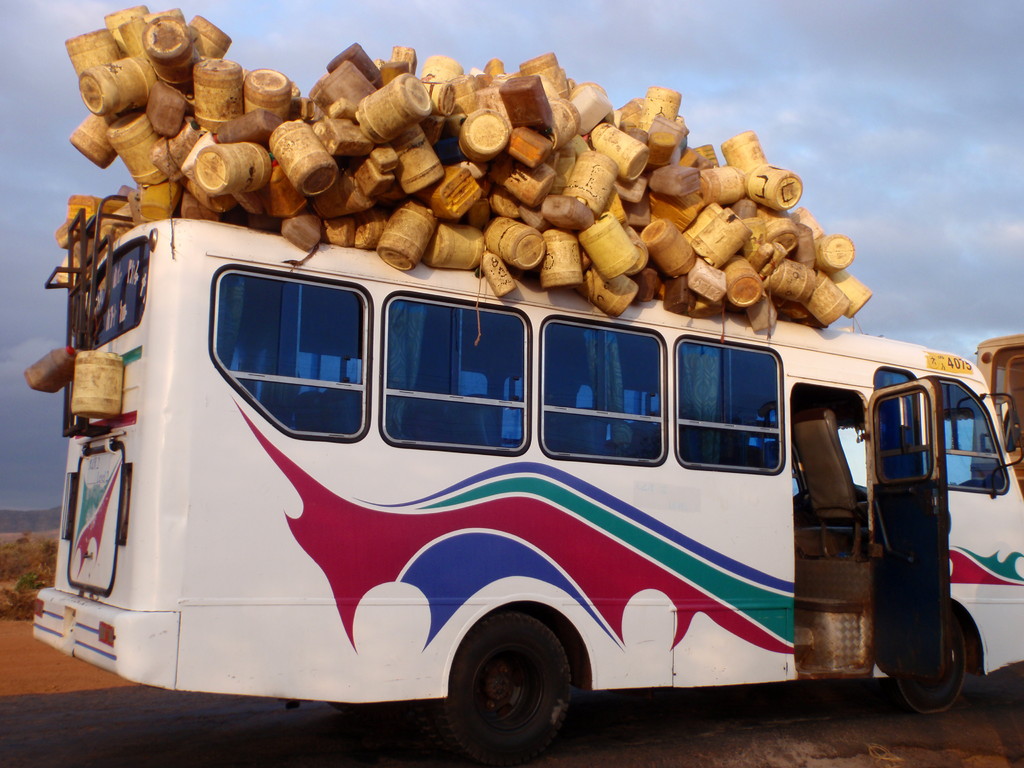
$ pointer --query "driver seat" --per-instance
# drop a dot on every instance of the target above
(832, 494)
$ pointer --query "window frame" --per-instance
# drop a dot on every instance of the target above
(543, 408)
(382, 373)
(366, 334)
(779, 430)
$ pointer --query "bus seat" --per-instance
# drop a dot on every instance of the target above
(584, 396)
(472, 384)
(306, 412)
(831, 491)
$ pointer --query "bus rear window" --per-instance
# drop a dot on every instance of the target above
(122, 290)
(295, 350)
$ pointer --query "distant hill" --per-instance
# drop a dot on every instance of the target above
(29, 520)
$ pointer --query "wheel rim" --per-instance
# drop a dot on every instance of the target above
(508, 690)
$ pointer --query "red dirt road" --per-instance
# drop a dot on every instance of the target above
(29, 666)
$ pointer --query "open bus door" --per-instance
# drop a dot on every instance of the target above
(907, 492)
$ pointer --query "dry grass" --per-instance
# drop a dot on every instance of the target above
(26, 566)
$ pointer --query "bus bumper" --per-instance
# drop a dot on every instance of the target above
(141, 646)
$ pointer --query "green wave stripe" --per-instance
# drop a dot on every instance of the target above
(762, 606)
(1004, 569)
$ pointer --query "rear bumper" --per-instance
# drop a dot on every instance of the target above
(141, 646)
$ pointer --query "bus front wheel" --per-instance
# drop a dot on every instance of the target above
(937, 695)
(508, 691)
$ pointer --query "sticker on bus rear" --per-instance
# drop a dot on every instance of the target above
(97, 510)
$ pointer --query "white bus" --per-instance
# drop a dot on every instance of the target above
(335, 481)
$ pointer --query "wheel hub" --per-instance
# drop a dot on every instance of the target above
(498, 685)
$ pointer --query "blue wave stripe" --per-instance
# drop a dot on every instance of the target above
(483, 558)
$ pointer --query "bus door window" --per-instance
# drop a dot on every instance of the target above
(903, 447)
(891, 434)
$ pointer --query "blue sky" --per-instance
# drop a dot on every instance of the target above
(904, 120)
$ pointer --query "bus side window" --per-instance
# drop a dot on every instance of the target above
(295, 350)
(727, 403)
(602, 393)
(972, 456)
(454, 376)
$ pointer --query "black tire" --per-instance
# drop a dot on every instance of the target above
(934, 696)
(508, 691)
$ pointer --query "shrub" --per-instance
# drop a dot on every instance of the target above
(27, 563)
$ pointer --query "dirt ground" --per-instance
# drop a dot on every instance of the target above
(29, 666)
(804, 724)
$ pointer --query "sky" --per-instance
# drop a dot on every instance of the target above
(903, 119)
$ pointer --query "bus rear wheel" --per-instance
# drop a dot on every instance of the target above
(508, 691)
(937, 695)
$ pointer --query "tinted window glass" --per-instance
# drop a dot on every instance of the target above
(454, 376)
(122, 293)
(296, 348)
(602, 393)
(885, 377)
(728, 407)
(903, 440)
(972, 456)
